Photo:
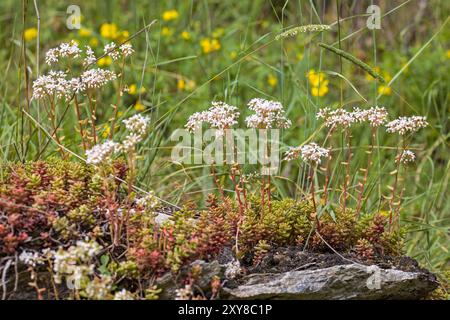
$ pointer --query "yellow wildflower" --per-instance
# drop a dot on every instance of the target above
(83, 32)
(384, 90)
(106, 130)
(233, 55)
(138, 106)
(272, 80)
(167, 32)
(319, 91)
(123, 35)
(132, 89)
(109, 31)
(104, 62)
(170, 15)
(30, 34)
(93, 42)
(185, 35)
(315, 78)
(209, 45)
(181, 84)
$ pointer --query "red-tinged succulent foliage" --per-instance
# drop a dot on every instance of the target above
(55, 203)
(41, 201)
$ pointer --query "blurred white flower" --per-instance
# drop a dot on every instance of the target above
(54, 84)
(268, 114)
(126, 49)
(65, 49)
(406, 157)
(405, 125)
(111, 50)
(101, 152)
(220, 116)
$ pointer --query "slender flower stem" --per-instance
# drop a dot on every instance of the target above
(119, 95)
(327, 169)
(93, 118)
(366, 172)
(347, 168)
(80, 122)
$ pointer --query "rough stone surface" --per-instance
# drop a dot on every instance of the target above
(350, 281)
(168, 282)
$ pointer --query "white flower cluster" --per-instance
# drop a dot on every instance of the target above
(138, 127)
(337, 117)
(185, 293)
(63, 50)
(293, 153)
(95, 78)
(115, 53)
(404, 125)
(101, 152)
(220, 116)
(309, 152)
(90, 57)
(308, 28)
(233, 269)
(149, 201)
(111, 50)
(99, 288)
(123, 295)
(31, 258)
(74, 263)
(407, 157)
(268, 114)
(126, 49)
(54, 84)
(376, 116)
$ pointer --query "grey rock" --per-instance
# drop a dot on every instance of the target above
(168, 282)
(351, 281)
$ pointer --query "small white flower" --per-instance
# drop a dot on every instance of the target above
(63, 50)
(101, 152)
(404, 125)
(30, 258)
(126, 49)
(123, 295)
(220, 116)
(338, 117)
(268, 114)
(185, 293)
(311, 152)
(54, 84)
(233, 269)
(96, 78)
(292, 153)
(137, 124)
(149, 201)
(77, 85)
(111, 50)
(90, 57)
(377, 116)
(52, 56)
(407, 157)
